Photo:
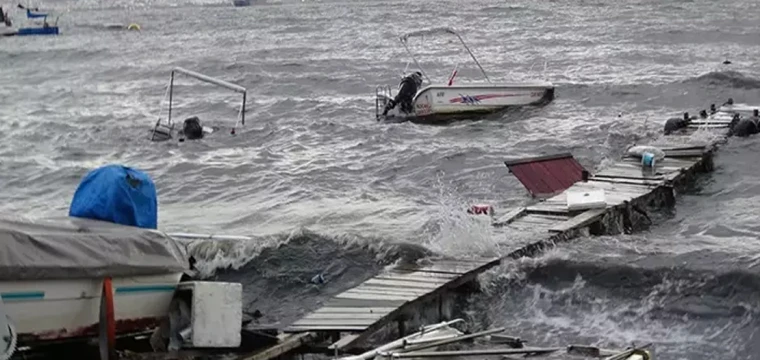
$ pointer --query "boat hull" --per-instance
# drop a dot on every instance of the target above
(55, 310)
(32, 31)
(464, 99)
(440, 102)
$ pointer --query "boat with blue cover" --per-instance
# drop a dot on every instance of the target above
(52, 270)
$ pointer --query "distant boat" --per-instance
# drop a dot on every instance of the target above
(36, 24)
(241, 2)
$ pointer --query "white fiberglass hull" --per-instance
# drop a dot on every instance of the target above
(458, 100)
(62, 309)
(475, 98)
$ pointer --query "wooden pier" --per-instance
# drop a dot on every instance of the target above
(387, 297)
(629, 189)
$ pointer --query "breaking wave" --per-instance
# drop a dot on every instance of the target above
(684, 311)
(727, 79)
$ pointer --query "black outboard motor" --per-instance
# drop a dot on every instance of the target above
(407, 89)
(192, 128)
(713, 110)
(703, 114)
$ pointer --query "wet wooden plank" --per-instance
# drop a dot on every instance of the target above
(709, 126)
(522, 226)
(416, 276)
(683, 162)
(404, 284)
(365, 288)
(355, 310)
(347, 295)
(446, 266)
(336, 316)
(549, 207)
(509, 217)
(643, 182)
(345, 340)
(340, 303)
(581, 220)
(309, 328)
(659, 167)
(379, 294)
(541, 221)
(287, 343)
(607, 186)
(333, 322)
(629, 175)
(685, 153)
(379, 300)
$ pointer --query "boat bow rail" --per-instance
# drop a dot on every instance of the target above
(438, 31)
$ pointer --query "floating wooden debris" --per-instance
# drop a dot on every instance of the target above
(402, 349)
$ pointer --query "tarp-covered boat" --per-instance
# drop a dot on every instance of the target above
(53, 271)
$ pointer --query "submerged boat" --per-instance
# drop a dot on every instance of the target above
(192, 128)
(450, 100)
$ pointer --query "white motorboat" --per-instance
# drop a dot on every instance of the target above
(451, 99)
(52, 276)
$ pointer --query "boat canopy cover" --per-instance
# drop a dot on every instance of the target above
(66, 248)
(117, 194)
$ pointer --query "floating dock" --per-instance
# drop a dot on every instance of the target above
(611, 201)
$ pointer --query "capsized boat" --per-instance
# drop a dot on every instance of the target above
(439, 100)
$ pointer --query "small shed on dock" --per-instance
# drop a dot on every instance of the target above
(547, 175)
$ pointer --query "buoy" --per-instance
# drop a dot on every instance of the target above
(133, 26)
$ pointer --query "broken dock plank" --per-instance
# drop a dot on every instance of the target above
(581, 220)
(288, 343)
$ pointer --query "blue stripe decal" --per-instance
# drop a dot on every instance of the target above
(25, 295)
(145, 288)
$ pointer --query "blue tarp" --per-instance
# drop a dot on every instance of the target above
(118, 194)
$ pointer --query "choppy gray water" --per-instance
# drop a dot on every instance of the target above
(327, 189)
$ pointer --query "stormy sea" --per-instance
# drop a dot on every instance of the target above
(322, 188)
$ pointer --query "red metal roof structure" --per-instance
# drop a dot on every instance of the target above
(547, 175)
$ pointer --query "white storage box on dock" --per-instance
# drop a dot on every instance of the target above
(216, 313)
(586, 200)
